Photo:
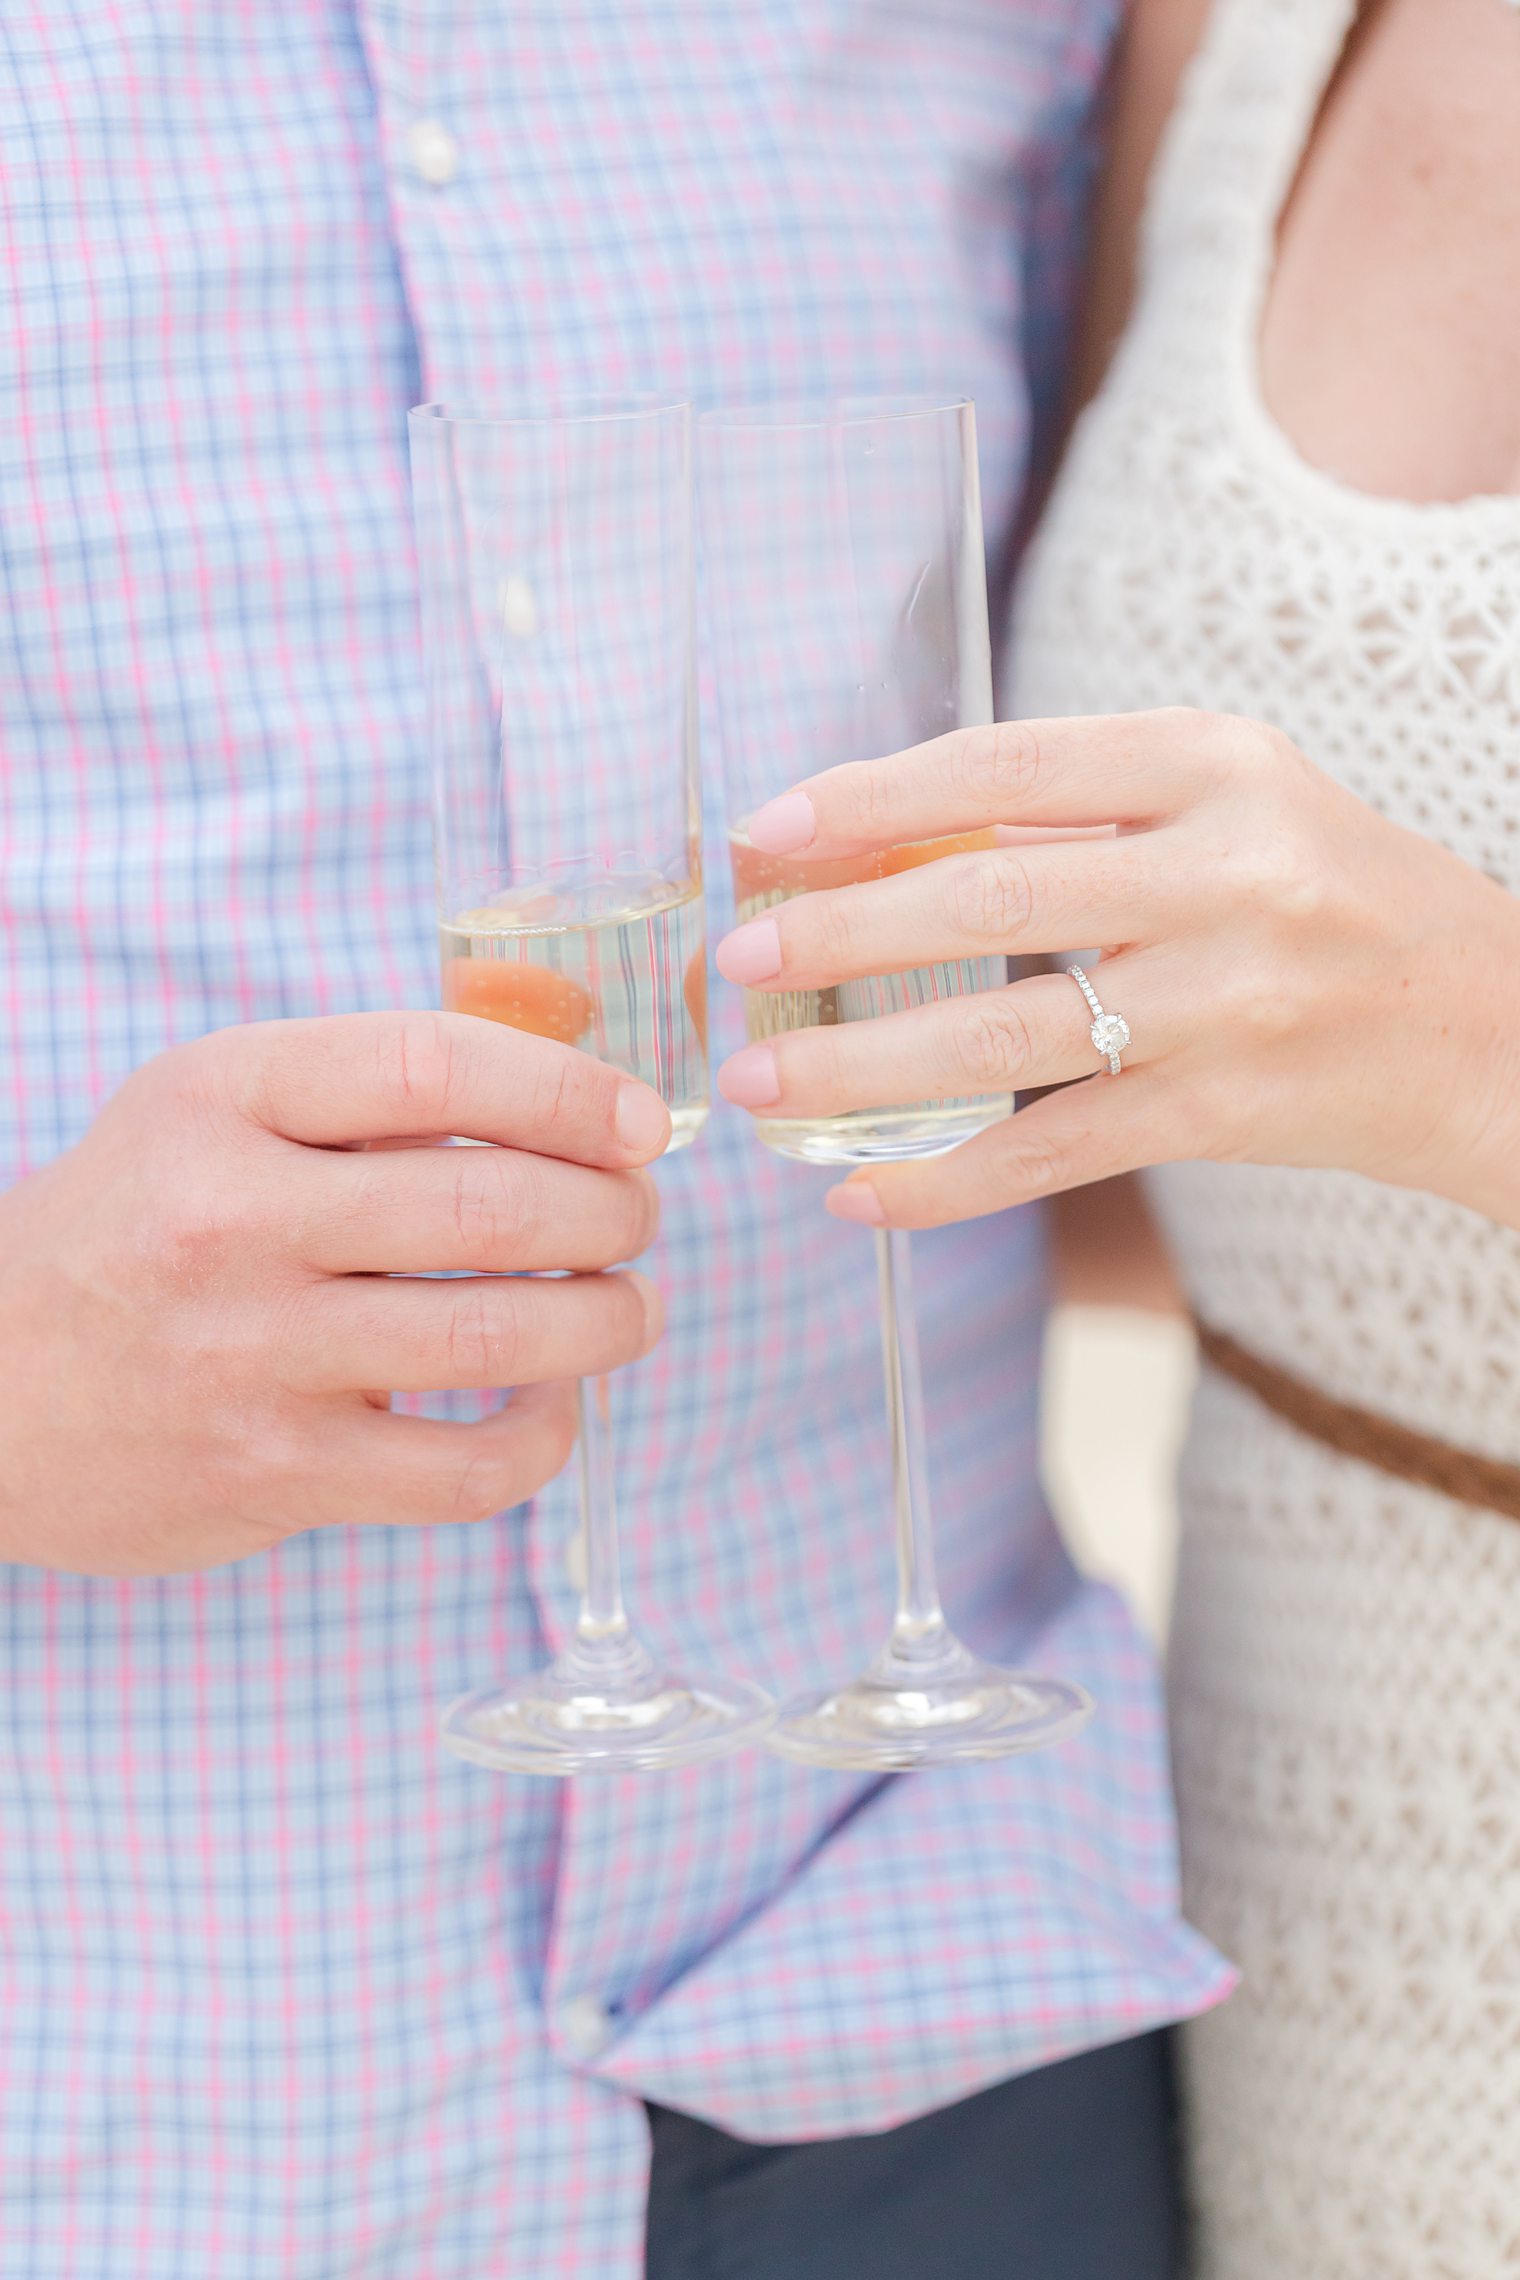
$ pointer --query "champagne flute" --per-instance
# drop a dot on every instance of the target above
(555, 556)
(844, 574)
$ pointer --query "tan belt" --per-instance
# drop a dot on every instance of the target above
(1418, 1457)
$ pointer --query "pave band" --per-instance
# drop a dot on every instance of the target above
(1109, 1031)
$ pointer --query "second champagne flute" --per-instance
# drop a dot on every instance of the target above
(555, 556)
(844, 575)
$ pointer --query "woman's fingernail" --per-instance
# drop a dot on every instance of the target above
(857, 1200)
(751, 953)
(749, 1078)
(643, 1121)
(784, 826)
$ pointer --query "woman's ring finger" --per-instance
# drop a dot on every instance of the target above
(1032, 1034)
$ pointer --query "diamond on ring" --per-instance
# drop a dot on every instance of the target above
(1109, 1031)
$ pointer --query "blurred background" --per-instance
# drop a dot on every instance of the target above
(1117, 1381)
(1120, 1360)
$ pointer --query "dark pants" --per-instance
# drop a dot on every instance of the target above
(1068, 2173)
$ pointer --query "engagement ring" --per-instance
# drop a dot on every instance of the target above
(1109, 1031)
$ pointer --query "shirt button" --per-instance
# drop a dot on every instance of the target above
(588, 2027)
(519, 608)
(433, 152)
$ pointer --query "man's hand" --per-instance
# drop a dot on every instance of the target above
(198, 1329)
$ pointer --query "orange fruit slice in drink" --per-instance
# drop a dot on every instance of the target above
(520, 995)
(758, 876)
(919, 851)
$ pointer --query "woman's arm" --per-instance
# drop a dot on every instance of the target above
(1106, 1250)
(1158, 38)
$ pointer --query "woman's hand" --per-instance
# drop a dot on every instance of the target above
(1304, 982)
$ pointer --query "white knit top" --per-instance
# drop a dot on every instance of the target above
(1346, 1656)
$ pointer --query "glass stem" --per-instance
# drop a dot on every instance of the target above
(603, 1652)
(919, 1634)
(602, 1614)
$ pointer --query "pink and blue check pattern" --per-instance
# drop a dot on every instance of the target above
(286, 1993)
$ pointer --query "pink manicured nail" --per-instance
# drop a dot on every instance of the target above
(857, 1200)
(784, 826)
(751, 953)
(749, 1078)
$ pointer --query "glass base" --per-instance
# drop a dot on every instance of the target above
(883, 1135)
(892, 1719)
(686, 1121)
(559, 1724)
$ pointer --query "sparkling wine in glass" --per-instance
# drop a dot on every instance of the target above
(615, 963)
(846, 586)
(860, 1135)
(555, 553)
